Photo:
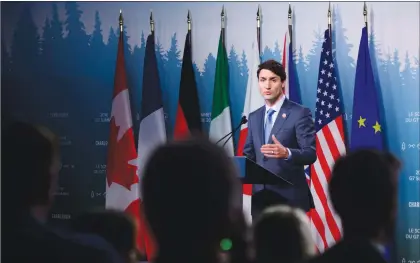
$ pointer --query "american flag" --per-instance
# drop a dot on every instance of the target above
(324, 222)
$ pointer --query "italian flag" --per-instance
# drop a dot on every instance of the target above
(220, 115)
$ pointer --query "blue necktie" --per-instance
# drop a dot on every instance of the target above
(268, 124)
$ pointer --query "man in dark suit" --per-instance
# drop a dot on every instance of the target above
(281, 138)
(363, 192)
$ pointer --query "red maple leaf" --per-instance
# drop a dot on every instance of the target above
(120, 153)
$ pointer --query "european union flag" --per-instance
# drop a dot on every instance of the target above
(366, 129)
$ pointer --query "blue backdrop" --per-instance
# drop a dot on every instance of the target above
(58, 62)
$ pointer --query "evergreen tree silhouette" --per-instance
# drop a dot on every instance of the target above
(57, 41)
(77, 41)
(301, 73)
(138, 66)
(408, 75)
(235, 88)
(173, 73)
(162, 65)
(110, 56)
(25, 47)
(200, 88)
(97, 47)
(267, 54)
(277, 54)
(343, 61)
(416, 70)
(243, 68)
(208, 84)
(47, 43)
(312, 59)
(394, 66)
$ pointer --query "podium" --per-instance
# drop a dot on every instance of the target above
(252, 173)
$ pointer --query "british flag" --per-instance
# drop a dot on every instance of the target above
(324, 222)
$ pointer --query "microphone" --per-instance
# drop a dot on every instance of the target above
(243, 121)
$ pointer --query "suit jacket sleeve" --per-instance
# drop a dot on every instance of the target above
(249, 150)
(305, 135)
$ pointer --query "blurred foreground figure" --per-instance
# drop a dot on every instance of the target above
(30, 170)
(363, 191)
(282, 234)
(192, 201)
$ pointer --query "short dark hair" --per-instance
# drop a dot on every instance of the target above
(28, 152)
(363, 189)
(275, 67)
(187, 189)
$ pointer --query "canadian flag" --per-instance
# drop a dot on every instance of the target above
(253, 101)
(122, 182)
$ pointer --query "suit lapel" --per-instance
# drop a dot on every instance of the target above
(281, 118)
(261, 116)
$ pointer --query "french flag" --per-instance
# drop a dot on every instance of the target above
(152, 131)
(292, 88)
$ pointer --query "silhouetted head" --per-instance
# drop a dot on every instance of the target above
(363, 191)
(191, 195)
(281, 234)
(118, 228)
(30, 165)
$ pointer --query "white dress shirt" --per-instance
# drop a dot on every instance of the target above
(276, 107)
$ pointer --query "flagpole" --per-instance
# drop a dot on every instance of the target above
(189, 25)
(222, 15)
(259, 29)
(289, 17)
(365, 15)
(121, 20)
(152, 24)
(329, 18)
(329, 23)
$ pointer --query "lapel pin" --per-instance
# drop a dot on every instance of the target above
(284, 115)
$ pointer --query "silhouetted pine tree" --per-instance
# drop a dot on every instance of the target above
(200, 88)
(277, 53)
(208, 83)
(417, 72)
(267, 54)
(25, 45)
(77, 41)
(173, 73)
(312, 59)
(57, 41)
(97, 47)
(236, 89)
(243, 68)
(301, 74)
(394, 70)
(407, 74)
(137, 66)
(46, 51)
(343, 61)
(111, 55)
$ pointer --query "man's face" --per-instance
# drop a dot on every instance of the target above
(270, 85)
